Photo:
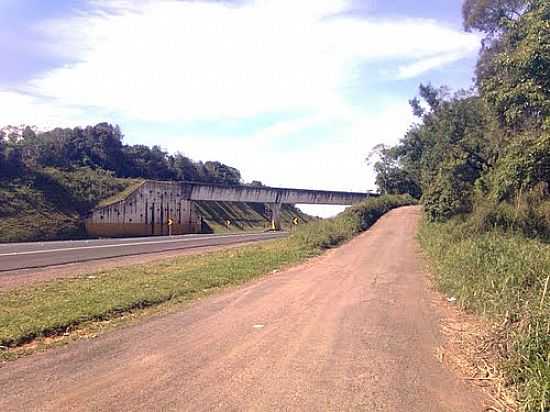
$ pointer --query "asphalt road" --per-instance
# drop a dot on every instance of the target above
(14, 256)
(356, 329)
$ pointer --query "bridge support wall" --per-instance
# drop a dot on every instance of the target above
(275, 209)
(162, 208)
(147, 211)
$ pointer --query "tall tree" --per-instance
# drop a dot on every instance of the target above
(390, 177)
(489, 148)
(491, 16)
(513, 75)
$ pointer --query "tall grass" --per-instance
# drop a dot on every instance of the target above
(504, 277)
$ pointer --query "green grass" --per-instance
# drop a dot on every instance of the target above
(49, 204)
(245, 216)
(133, 185)
(54, 307)
(503, 277)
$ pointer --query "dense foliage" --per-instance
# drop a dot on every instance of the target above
(101, 147)
(486, 151)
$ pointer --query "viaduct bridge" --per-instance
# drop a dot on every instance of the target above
(152, 205)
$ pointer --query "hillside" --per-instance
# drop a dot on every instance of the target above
(49, 204)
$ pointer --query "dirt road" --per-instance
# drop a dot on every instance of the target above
(354, 329)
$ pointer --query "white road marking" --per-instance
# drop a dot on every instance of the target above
(34, 252)
(54, 242)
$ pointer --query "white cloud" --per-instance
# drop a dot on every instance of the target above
(20, 108)
(414, 69)
(177, 61)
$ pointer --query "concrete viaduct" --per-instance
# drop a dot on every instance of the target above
(152, 205)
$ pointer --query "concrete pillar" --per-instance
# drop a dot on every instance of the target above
(275, 215)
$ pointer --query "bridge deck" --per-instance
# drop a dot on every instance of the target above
(265, 194)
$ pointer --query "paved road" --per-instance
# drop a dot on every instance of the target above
(355, 329)
(14, 256)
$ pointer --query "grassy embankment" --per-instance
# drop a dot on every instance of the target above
(49, 204)
(55, 307)
(245, 216)
(503, 277)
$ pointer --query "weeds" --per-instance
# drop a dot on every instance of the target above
(503, 277)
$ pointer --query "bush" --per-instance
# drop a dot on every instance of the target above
(446, 196)
(529, 214)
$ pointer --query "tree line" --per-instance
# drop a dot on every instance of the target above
(101, 147)
(484, 152)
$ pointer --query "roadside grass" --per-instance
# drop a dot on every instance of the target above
(52, 308)
(503, 277)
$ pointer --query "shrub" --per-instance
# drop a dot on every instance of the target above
(529, 215)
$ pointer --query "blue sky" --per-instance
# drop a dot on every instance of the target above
(293, 93)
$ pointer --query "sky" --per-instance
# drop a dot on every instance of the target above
(294, 93)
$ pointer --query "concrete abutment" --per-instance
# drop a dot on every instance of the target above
(163, 208)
